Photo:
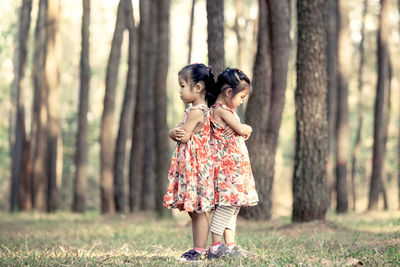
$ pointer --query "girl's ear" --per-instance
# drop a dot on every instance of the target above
(228, 92)
(198, 87)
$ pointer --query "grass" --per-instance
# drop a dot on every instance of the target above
(65, 239)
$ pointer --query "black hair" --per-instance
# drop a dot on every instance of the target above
(230, 78)
(198, 72)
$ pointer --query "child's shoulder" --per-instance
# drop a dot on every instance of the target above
(195, 114)
(221, 109)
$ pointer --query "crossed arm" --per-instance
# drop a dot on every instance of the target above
(193, 122)
(232, 122)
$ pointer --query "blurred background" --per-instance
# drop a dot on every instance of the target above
(104, 110)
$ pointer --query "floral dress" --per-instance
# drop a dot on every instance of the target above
(191, 178)
(234, 181)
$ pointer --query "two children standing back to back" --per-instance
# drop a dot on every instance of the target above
(210, 168)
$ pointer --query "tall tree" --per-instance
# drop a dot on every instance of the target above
(161, 141)
(138, 137)
(126, 118)
(215, 33)
(106, 135)
(360, 108)
(331, 60)
(149, 163)
(342, 124)
(20, 179)
(268, 98)
(191, 32)
(54, 157)
(39, 114)
(81, 138)
(309, 178)
(398, 147)
(381, 106)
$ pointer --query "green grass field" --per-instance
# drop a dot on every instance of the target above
(65, 239)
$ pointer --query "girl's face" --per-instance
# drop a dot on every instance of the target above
(236, 100)
(187, 94)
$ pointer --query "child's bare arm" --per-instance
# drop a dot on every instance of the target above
(176, 134)
(195, 118)
(241, 128)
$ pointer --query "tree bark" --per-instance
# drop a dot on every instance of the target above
(191, 32)
(360, 108)
(309, 178)
(138, 137)
(332, 58)
(39, 120)
(20, 179)
(342, 123)
(268, 98)
(149, 164)
(126, 118)
(161, 141)
(381, 105)
(398, 148)
(107, 149)
(82, 135)
(215, 33)
(54, 157)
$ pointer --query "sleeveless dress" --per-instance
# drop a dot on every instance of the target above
(233, 178)
(191, 178)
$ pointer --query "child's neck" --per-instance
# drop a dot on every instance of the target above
(199, 102)
(221, 99)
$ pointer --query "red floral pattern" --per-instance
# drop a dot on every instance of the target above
(233, 178)
(191, 184)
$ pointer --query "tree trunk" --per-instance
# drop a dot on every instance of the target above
(191, 32)
(82, 135)
(381, 106)
(398, 150)
(106, 137)
(20, 189)
(309, 178)
(357, 143)
(268, 98)
(215, 33)
(126, 118)
(138, 137)
(342, 123)
(332, 57)
(54, 157)
(385, 138)
(39, 120)
(161, 141)
(149, 164)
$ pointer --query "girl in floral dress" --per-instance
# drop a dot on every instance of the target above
(191, 187)
(234, 182)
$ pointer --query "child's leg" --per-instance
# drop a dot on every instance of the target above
(229, 233)
(199, 229)
(222, 216)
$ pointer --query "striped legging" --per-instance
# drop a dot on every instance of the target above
(224, 217)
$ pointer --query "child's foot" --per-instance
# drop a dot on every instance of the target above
(192, 255)
(221, 252)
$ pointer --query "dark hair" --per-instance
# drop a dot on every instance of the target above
(198, 72)
(230, 78)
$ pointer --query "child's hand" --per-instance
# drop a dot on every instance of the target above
(228, 131)
(176, 134)
(246, 136)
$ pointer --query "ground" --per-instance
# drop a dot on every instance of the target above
(65, 239)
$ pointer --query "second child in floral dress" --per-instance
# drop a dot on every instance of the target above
(234, 182)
